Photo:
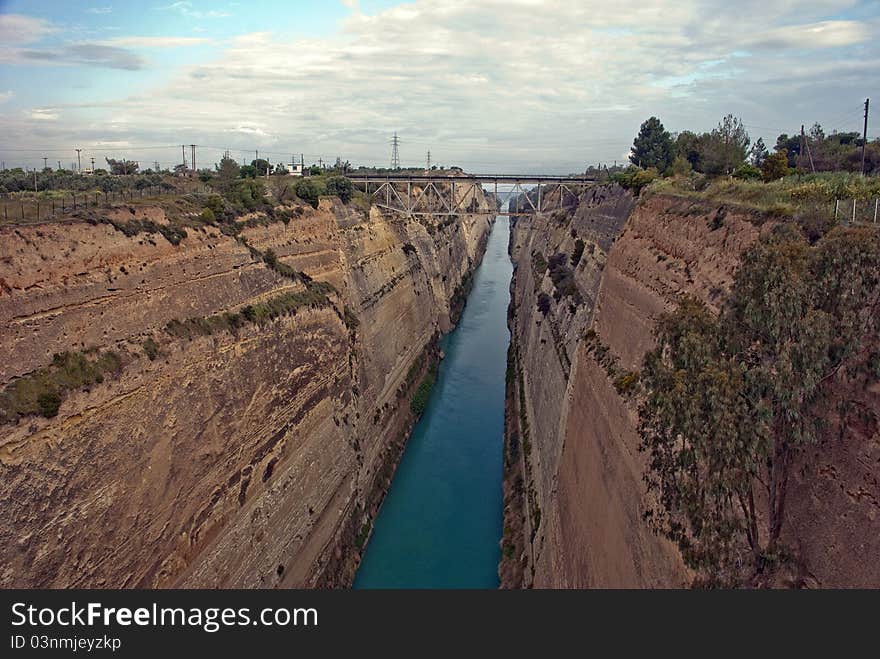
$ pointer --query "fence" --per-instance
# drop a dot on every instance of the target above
(16, 209)
(857, 211)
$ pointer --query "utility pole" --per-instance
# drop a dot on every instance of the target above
(78, 162)
(93, 165)
(193, 147)
(395, 154)
(865, 135)
(45, 162)
(59, 165)
(428, 165)
(183, 155)
(35, 180)
(805, 146)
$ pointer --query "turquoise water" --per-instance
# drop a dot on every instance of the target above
(440, 523)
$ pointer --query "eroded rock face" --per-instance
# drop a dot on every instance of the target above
(250, 455)
(573, 483)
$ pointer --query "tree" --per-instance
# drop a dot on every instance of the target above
(341, 187)
(681, 166)
(652, 147)
(122, 166)
(791, 146)
(309, 190)
(261, 166)
(725, 148)
(758, 153)
(227, 172)
(730, 400)
(687, 145)
(775, 166)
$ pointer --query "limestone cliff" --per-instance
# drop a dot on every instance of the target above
(589, 282)
(234, 401)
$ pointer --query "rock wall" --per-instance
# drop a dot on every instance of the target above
(574, 494)
(237, 454)
(582, 492)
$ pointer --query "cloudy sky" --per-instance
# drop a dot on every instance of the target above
(490, 85)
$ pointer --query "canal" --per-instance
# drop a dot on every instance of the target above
(440, 523)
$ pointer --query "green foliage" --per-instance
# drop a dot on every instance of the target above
(543, 303)
(652, 147)
(539, 263)
(310, 190)
(48, 403)
(151, 348)
(258, 314)
(350, 318)
(420, 399)
(775, 167)
(563, 279)
(207, 216)
(758, 153)
(228, 172)
(730, 400)
(626, 383)
(247, 194)
(747, 172)
(42, 391)
(635, 179)
(341, 187)
(578, 252)
(681, 166)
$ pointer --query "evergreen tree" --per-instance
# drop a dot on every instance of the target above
(758, 153)
(652, 147)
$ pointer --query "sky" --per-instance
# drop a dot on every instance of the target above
(512, 86)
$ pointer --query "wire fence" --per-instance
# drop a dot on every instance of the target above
(857, 211)
(17, 209)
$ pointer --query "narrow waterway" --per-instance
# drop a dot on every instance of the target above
(440, 523)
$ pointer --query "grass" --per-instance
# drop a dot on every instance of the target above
(787, 197)
(42, 391)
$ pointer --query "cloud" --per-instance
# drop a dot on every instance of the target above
(494, 84)
(87, 54)
(99, 10)
(5, 96)
(156, 42)
(354, 5)
(20, 29)
(186, 9)
(826, 34)
(43, 114)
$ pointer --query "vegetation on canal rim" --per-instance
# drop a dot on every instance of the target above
(420, 399)
(730, 400)
(42, 391)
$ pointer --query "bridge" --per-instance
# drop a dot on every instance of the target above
(456, 194)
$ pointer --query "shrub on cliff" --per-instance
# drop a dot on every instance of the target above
(420, 399)
(341, 187)
(310, 190)
(635, 179)
(731, 400)
(578, 252)
(544, 301)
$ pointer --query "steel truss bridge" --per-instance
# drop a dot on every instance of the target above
(444, 194)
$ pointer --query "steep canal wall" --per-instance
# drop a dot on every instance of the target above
(212, 404)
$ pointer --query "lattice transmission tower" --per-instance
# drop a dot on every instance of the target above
(395, 154)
